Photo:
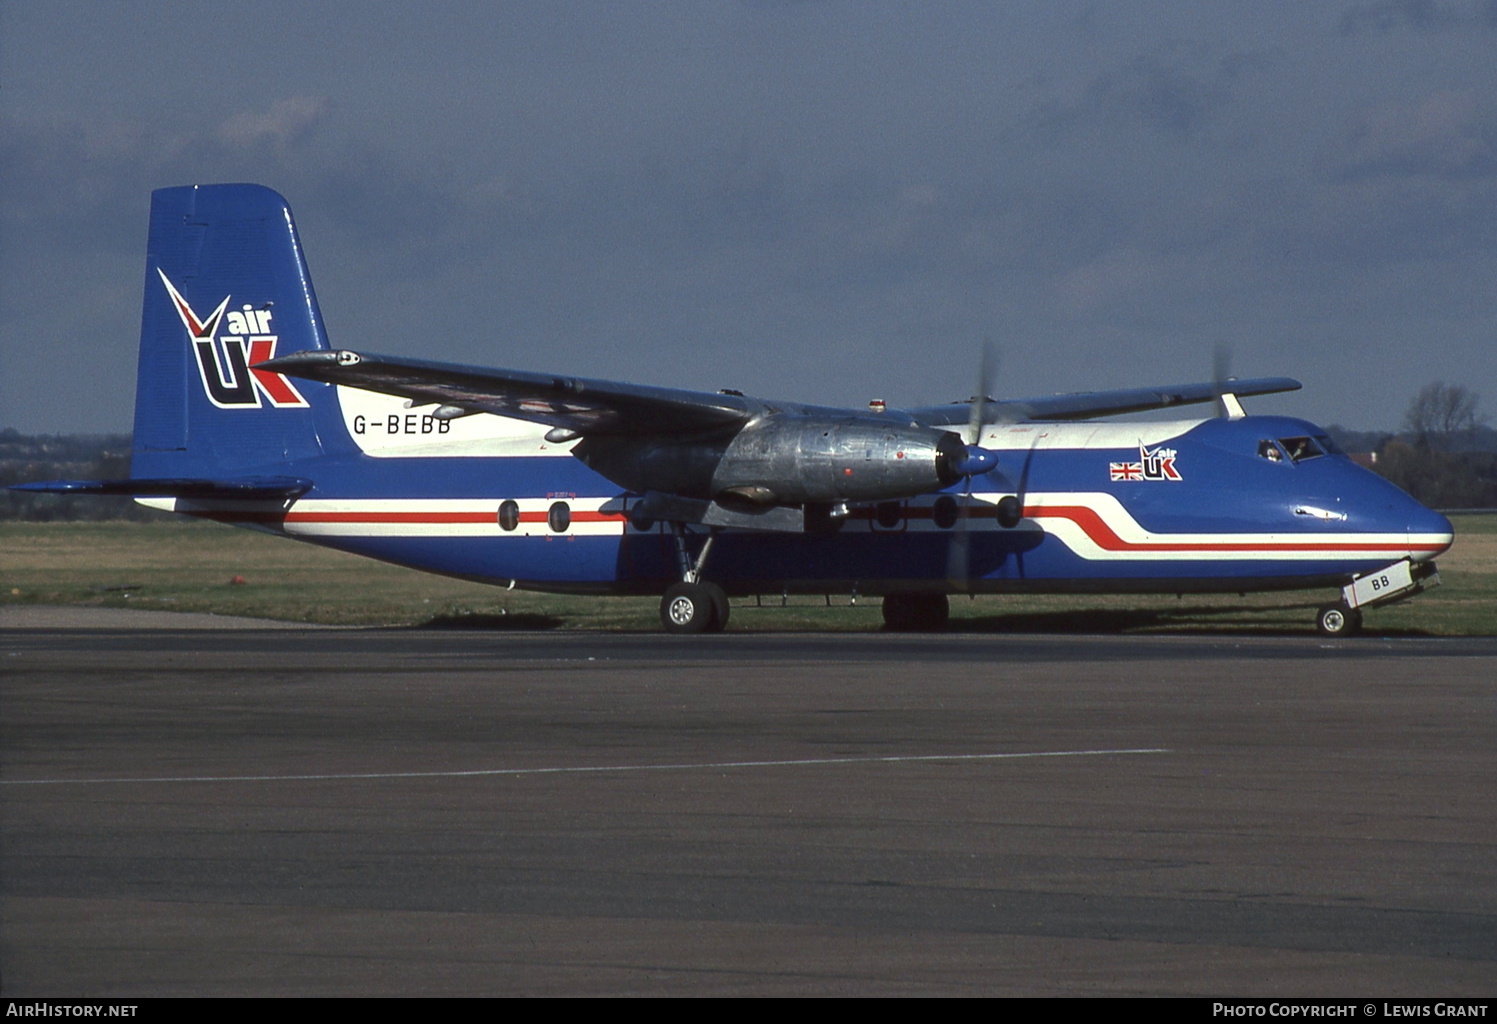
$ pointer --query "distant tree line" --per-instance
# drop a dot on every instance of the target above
(1445, 455)
(65, 457)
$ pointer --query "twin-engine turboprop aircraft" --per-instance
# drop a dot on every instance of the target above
(245, 414)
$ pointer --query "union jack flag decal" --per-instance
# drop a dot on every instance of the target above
(1152, 465)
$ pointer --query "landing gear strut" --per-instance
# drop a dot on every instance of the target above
(693, 606)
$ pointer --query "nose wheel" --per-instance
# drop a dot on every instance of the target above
(1338, 620)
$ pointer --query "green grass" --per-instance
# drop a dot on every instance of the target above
(188, 566)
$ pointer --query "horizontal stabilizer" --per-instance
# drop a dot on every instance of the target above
(237, 487)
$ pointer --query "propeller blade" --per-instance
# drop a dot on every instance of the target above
(986, 369)
(975, 461)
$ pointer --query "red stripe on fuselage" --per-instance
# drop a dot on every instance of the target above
(438, 517)
(1103, 536)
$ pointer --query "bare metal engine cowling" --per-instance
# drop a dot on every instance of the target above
(786, 460)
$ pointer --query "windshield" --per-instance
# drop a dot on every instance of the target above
(1301, 448)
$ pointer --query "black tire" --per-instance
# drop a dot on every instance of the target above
(687, 608)
(916, 613)
(1338, 620)
(899, 613)
(932, 613)
(720, 608)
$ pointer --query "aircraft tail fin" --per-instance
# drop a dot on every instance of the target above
(226, 288)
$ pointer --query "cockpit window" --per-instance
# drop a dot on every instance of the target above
(1301, 448)
(1330, 447)
(1270, 451)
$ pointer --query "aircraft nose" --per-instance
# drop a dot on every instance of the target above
(1430, 534)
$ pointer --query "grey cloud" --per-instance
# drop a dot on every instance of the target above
(1176, 91)
(1418, 16)
(1444, 135)
(285, 123)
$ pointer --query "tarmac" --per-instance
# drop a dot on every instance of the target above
(195, 806)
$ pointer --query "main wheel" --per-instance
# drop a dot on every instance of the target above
(720, 607)
(916, 613)
(899, 612)
(1338, 620)
(690, 608)
(932, 611)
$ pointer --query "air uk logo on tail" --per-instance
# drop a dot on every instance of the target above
(224, 361)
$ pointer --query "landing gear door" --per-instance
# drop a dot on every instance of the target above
(1377, 587)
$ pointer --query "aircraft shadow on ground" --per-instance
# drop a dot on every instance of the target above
(517, 621)
(1192, 620)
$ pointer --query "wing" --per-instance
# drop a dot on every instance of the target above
(1089, 404)
(573, 403)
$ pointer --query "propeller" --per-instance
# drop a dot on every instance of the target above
(977, 460)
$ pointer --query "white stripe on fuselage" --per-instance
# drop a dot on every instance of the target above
(1093, 525)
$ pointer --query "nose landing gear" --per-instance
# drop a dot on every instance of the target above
(1397, 582)
(1338, 620)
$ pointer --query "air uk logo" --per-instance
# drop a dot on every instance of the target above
(224, 360)
(1155, 464)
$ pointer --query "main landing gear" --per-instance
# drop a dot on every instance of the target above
(920, 612)
(693, 606)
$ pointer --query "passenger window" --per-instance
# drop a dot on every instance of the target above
(509, 516)
(637, 519)
(559, 517)
(1301, 448)
(887, 514)
(944, 512)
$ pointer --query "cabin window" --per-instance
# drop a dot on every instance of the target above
(559, 517)
(943, 513)
(637, 519)
(509, 515)
(887, 514)
(1301, 448)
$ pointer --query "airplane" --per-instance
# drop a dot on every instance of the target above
(245, 414)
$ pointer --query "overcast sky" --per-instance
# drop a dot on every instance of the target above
(820, 201)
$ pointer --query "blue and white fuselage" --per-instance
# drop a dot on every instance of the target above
(1217, 516)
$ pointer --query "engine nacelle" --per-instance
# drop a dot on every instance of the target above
(793, 460)
(785, 460)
